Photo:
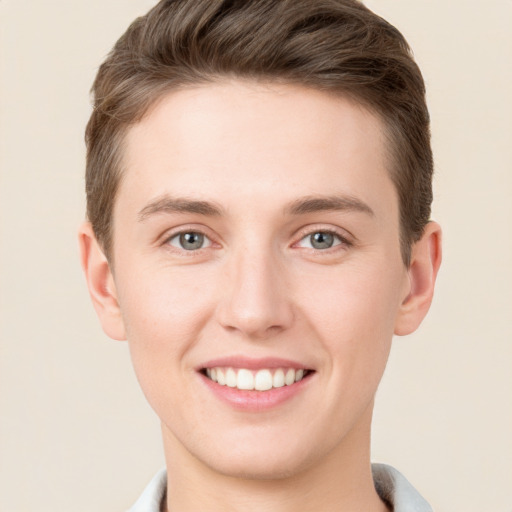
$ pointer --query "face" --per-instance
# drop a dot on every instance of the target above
(258, 273)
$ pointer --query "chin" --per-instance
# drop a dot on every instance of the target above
(275, 458)
(262, 467)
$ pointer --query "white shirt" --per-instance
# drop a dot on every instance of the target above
(391, 485)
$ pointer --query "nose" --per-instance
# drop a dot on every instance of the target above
(255, 300)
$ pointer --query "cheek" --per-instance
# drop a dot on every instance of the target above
(353, 312)
(164, 313)
(160, 302)
(353, 298)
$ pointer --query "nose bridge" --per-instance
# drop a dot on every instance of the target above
(255, 301)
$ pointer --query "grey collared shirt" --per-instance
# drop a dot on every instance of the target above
(393, 488)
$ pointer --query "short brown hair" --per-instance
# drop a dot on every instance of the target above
(337, 46)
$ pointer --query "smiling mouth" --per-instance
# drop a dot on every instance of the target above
(260, 380)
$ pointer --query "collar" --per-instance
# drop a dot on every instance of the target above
(393, 488)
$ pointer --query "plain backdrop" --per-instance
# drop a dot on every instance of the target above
(75, 431)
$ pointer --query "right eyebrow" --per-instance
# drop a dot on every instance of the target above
(168, 204)
(312, 204)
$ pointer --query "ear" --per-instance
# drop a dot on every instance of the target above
(100, 282)
(422, 273)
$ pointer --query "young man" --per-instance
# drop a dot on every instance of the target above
(259, 189)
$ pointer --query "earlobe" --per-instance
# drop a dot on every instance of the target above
(422, 273)
(100, 283)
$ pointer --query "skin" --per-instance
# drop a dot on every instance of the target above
(233, 161)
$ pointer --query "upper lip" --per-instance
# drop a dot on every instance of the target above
(253, 363)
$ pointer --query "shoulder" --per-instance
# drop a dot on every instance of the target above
(396, 491)
(393, 488)
(151, 499)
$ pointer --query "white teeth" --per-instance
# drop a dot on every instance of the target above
(231, 378)
(245, 380)
(290, 377)
(262, 380)
(221, 378)
(278, 380)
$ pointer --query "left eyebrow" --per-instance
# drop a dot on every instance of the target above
(312, 204)
(167, 204)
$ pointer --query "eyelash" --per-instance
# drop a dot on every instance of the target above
(183, 232)
(340, 240)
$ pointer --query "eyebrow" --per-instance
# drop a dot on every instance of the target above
(312, 204)
(167, 204)
(302, 206)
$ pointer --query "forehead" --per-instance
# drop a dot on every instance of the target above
(248, 140)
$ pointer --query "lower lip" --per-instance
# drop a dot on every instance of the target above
(256, 401)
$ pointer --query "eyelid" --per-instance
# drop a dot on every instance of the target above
(206, 239)
(188, 228)
(346, 239)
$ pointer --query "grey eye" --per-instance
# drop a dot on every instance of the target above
(321, 240)
(189, 241)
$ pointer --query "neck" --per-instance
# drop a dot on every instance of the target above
(341, 481)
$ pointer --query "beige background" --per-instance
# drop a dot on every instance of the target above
(75, 431)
